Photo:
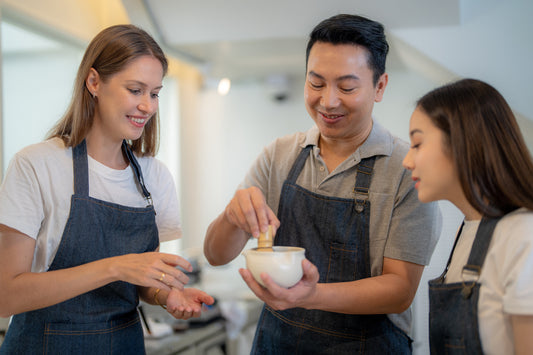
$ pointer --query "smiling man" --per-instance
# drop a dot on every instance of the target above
(338, 190)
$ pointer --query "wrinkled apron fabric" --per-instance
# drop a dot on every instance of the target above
(453, 312)
(335, 234)
(105, 320)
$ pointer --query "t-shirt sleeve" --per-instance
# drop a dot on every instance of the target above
(270, 169)
(21, 203)
(415, 226)
(165, 203)
(516, 259)
(259, 172)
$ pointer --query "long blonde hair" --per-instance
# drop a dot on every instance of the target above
(108, 53)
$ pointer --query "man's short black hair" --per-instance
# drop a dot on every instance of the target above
(356, 30)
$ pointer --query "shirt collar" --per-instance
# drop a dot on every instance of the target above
(379, 142)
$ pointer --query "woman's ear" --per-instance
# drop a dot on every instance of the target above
(92, 82)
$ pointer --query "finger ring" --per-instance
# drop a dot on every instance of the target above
(162, 277)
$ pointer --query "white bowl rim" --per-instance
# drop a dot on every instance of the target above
(278, 249)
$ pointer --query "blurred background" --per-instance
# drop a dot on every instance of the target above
(256, 49)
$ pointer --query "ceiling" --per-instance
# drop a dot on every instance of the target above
(243, 39)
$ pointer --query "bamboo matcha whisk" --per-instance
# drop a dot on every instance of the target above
(265, 240)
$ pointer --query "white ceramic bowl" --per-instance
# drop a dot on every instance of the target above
(283, 264)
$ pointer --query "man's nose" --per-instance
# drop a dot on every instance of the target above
(330, 98)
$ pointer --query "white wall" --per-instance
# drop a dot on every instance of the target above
(221, 142)
(492, 43)
(36, 93)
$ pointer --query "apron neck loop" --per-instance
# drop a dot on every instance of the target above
(137, 171)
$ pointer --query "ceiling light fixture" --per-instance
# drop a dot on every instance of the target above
(223, 86)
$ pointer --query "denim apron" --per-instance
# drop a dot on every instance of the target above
(105, 320)
(453, 312)
(335, 234)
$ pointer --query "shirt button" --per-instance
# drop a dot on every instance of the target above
(322, 168)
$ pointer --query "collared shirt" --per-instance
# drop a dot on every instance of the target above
(401, 227)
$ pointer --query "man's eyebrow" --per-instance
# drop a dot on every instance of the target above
(344, 77)
(348, 77)
(312, 73)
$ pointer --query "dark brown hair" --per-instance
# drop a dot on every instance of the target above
(108, 53)
(482, 136)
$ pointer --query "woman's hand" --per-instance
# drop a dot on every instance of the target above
(152, 269)
(187, 303)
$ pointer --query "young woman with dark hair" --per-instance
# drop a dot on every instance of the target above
(467, 148)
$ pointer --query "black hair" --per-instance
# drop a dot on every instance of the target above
(356, 30)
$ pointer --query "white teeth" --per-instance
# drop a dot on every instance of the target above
(137, 120)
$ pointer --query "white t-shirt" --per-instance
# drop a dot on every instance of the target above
(35, 194)
(506, 277)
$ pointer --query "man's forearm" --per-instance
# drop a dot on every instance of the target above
(223, 241)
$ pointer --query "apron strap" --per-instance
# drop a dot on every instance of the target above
(81, 170)
(478, 252)
(443, 275)
(362, 176)
(362, 182)
(481, 244)
(299, 164)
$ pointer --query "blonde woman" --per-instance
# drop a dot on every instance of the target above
(82, 213)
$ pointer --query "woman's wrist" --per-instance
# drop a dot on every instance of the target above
(156, 300)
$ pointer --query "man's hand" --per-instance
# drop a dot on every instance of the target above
(248, 211)
(279, 298)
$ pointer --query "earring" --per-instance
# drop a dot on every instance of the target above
(94, 95)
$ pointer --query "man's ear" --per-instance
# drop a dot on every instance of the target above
(380, 86)
(92, 82)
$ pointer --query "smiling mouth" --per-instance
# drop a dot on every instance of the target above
(138, 121)
(330, 118)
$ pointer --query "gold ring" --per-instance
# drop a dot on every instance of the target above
(162, 277)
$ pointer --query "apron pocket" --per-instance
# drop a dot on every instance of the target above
(454, 346)
(123, 336)
(342, 263)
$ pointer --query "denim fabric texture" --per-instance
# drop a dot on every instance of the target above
(335, 234)
(105, 320)
(453, 307)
